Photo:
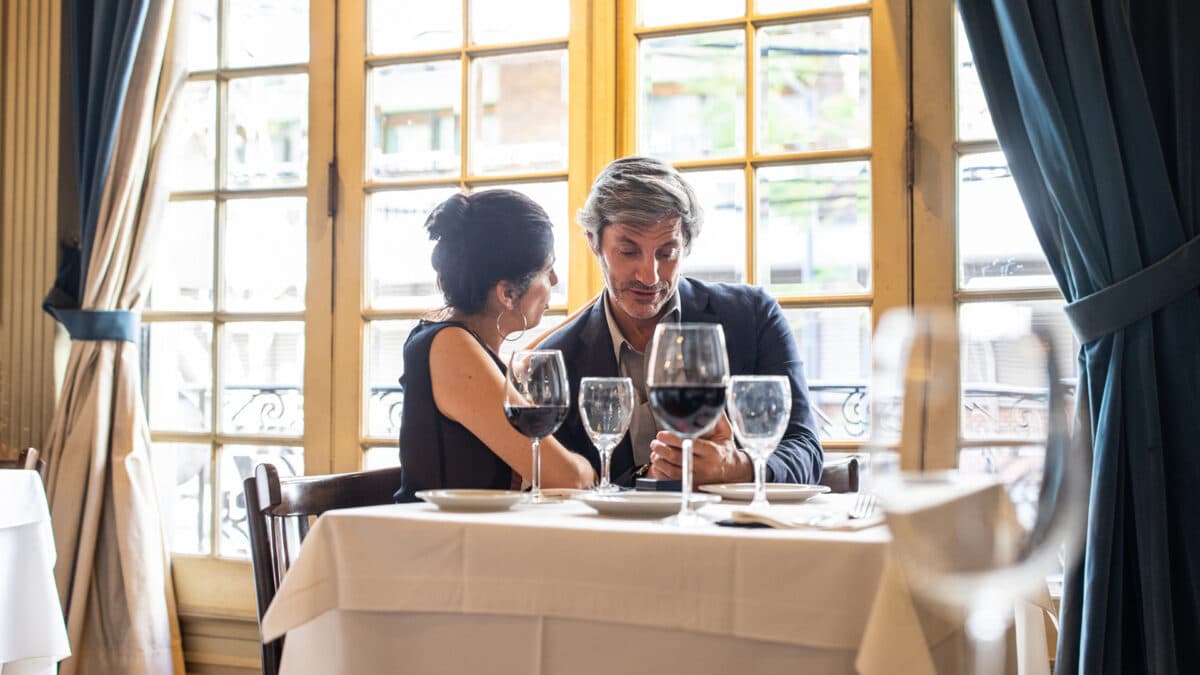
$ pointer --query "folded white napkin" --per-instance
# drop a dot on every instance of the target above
(821, 520)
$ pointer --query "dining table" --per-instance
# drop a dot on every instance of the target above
(561, 588)
(33, 635)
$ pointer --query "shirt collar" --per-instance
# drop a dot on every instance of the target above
(673, 313)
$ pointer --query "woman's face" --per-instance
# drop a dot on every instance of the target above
(534, 303)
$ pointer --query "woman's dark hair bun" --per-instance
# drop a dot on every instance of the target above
(448, 219)
(484, 238)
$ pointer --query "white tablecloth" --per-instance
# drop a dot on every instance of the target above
(556, 588)
(33, 637)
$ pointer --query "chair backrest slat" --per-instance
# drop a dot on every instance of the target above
(842, 476)
(279, 509)
(27, 459)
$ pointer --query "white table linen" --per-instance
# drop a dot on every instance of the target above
(523, 590)
(33, 635)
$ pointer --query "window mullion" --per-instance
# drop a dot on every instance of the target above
(346, 325)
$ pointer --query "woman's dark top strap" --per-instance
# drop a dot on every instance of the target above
(435, 451)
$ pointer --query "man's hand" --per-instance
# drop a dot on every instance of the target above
(715, 458)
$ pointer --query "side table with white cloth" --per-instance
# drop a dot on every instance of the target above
(556, 588)
(33, 636)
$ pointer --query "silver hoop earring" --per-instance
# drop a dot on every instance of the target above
(524, 327)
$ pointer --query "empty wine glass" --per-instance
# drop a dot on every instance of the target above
(536, 399)
(605, 406)
(686, 383)
(975, 541)
(759, 409)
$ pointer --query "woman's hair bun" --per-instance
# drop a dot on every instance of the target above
(449, 219)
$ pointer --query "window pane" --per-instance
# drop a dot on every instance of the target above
(237, 464)
(262, 372)
(494, 21)
(183, 262)
(997, 248)
(182, 479)
(835, 344)
(178, 381)
(974, 120)
(413, 25)
(814, 228)
(266, 32)
(414, 135)
(202, 36)
(385, 365)
(519, 112)
(816, 84)
(399, 271)
(719, 253)
(1003, 389)
(267, 137)
(693, 93)
(192, 149)
(777, 6)
(663, 12)
(263, 254)
(380, 458)
(553, 198)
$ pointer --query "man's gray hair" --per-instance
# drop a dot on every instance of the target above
(641, 191)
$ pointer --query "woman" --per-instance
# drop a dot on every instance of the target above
(494, 259)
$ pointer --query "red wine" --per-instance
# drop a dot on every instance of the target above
(687, 410)
(535, 421)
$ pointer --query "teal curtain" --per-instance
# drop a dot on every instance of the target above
(102, 38)
(1095, 104)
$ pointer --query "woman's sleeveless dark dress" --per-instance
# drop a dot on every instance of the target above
(435, 451)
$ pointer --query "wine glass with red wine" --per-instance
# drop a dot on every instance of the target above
(688, 373)
(536, 398)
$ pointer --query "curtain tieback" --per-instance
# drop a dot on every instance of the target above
(1138, 296)
(99, 324)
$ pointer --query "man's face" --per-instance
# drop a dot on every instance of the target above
(640, 265)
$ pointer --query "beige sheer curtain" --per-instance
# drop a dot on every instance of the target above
(113, 570)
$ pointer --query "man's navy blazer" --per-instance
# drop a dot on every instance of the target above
(759, 342)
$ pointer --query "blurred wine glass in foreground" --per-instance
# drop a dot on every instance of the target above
(976, 543)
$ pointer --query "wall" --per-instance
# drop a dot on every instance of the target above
(29, 133)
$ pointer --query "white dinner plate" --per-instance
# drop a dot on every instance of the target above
(776, 492)
(472, 500)
(642, 504)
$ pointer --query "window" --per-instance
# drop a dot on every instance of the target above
(975, 250)
(228, 319)
(785, 117)
(448, 98)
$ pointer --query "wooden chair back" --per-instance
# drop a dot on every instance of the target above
(27, 459)
(279, 513)
(841, 476)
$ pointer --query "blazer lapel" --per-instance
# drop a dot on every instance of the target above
(596, 360)
(693, 303)
(595, 345)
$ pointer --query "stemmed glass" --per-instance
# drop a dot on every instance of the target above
(605, 406)
(973, 554)
(686, 382)
(759, 409)
(536, 399)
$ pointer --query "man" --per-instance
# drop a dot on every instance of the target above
(641, 218)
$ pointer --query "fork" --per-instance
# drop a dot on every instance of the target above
(864, 506)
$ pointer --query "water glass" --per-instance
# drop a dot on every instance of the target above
(606, 406)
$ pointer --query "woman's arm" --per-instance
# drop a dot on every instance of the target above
(469, 389)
